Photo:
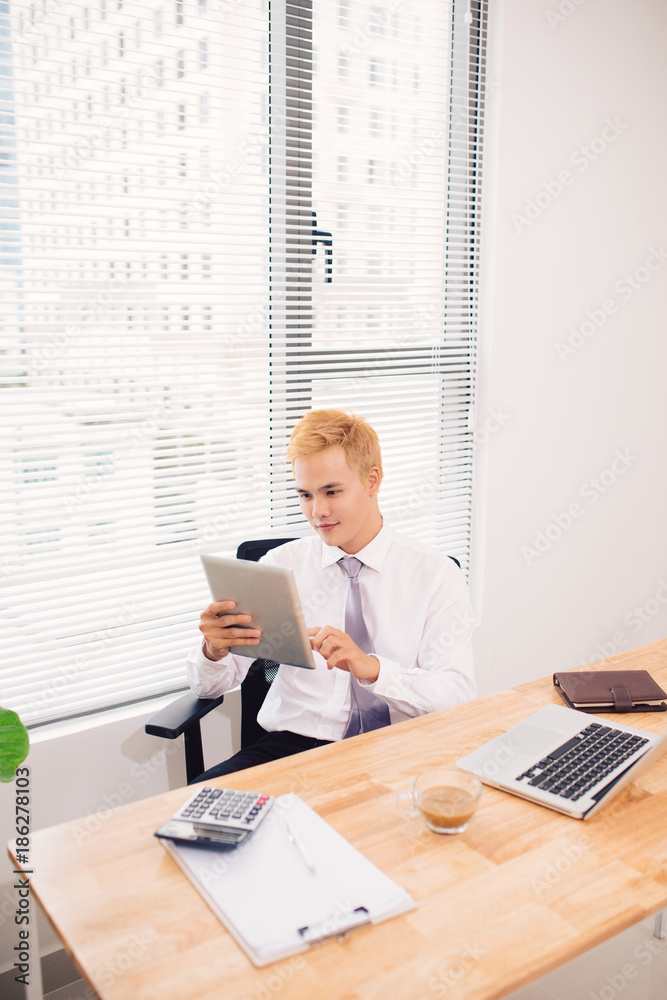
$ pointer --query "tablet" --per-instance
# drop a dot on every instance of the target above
(269, 594)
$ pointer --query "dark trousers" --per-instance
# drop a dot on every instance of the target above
(271, 746)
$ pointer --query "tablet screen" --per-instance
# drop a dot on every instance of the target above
(269, 594)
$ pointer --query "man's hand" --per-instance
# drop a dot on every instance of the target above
(340, 651)
(221, 629)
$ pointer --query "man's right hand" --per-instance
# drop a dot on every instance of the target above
(222, 629)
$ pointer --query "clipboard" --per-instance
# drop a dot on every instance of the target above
(279, 895)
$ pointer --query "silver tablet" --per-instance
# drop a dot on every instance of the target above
(269, 594)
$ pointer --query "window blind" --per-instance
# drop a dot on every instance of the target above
(215, 216)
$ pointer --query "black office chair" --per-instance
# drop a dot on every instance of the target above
(185, 714)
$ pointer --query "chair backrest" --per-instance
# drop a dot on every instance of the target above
(259, 678)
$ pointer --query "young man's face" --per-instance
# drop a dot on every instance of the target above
(342, 510)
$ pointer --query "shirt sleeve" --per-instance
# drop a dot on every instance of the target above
(210, 678)
(443, 673)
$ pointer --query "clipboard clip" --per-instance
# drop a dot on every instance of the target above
(337, 927)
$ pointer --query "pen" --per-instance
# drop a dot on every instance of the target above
(298, 843)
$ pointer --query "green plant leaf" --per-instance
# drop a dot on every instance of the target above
(14, 743)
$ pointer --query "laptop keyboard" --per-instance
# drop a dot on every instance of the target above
(573, 768)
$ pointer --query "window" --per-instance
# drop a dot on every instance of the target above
(377, 21)
(377, 72)
(203, 109)
(376, 123)
(306, 237)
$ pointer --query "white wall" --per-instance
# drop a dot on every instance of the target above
(566, 420)
(600, 585)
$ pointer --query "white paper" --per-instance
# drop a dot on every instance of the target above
(264, 891)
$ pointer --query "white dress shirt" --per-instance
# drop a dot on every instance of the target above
(417, 611)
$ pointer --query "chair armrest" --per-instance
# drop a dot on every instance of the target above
(178, 716)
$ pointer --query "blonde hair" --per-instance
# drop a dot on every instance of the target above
(322, 429)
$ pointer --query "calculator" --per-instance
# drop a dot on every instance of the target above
(214, 816)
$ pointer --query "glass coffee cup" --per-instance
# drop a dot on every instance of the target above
(446, 797)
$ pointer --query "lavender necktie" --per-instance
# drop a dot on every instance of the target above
(367, 711)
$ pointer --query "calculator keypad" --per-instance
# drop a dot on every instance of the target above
(224, 809)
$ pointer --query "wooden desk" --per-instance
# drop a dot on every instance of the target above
(520, 892)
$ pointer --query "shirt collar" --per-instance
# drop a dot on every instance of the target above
(372, 555)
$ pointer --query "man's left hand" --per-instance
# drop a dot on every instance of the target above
(340, 651)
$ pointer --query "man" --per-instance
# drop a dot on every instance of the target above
(406, 604)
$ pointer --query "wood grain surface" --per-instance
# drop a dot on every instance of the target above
(523, 890)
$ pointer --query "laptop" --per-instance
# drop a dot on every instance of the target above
(570, 761)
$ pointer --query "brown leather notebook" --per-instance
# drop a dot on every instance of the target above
(610, 691)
